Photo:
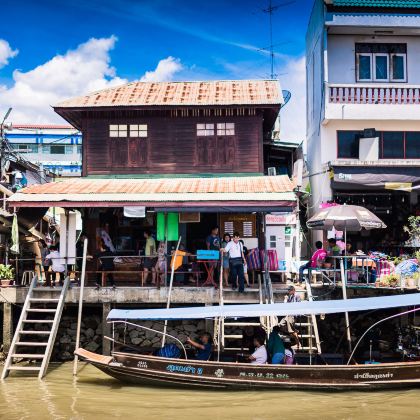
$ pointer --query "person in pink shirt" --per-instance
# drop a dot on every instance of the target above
(318, 257)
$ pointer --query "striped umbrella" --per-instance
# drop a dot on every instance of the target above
(347, 218)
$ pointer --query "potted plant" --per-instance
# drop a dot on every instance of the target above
(7, 275)
(391, 280)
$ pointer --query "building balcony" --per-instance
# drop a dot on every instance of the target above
(372, 102)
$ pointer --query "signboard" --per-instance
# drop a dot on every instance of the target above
(135, 211)
(189, 217)
(280, 219)
(245, 224)
(208, 254)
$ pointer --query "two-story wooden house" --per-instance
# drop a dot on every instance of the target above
(175, 147)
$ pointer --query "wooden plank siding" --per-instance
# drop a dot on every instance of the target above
(171, 146)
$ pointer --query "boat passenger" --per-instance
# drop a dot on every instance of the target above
(275, 346)
(203, 347)
(259, 357)
(289, 353)
(287, 324)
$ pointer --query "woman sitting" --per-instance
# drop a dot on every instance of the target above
(276, 346)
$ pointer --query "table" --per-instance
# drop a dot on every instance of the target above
(209, 266)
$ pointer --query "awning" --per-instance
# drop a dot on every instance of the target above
(375, 177)
(265, 193)
(275, 309)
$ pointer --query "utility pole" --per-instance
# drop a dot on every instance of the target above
(3, 144)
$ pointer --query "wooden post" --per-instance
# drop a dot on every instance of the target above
(168, 302)
(106, 329)
(346, 314)
(79, 315)
(7, 326)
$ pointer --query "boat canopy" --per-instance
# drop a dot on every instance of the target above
(274, 309)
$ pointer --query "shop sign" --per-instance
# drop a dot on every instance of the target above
(280, 219)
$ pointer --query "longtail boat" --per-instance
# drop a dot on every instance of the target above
(147, 370)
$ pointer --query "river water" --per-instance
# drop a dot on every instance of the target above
(93, 395)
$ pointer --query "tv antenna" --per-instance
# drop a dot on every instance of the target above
(270, 10)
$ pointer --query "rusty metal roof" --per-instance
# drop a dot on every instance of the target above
(214, 92)
(223, 189)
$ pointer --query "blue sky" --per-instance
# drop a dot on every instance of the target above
(202, 40)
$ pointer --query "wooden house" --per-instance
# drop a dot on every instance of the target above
(211, 127)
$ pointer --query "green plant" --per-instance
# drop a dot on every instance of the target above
(391, 280)
(6, 272)
(413, 228)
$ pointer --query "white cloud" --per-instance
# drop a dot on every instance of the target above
(293, 115)
(6, 53)
(77, 72)
(164, 71)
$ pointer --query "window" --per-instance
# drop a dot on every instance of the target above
(348, 144)
(205, 129)
(412, 145)
(138, 130)
(398, 67)
(364, 72)
(225, 129)
(381, 67)
(25, 148)
(392, 145)
(57, 149)
(273, 242)
(79, 149)
(380, 62)
(118, 130)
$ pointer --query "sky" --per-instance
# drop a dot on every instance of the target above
(54, 50)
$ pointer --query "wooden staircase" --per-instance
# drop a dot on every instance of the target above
(36, 344)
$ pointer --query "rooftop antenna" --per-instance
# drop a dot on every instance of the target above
(270, 10)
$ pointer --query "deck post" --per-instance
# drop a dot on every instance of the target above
(106, 329)
(7, 326)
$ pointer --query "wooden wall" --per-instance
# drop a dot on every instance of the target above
(172, 146)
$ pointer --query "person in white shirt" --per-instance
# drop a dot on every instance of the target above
(56, 266)
(259, 357)
(236, 262)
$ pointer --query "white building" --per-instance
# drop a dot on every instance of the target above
(363, 106)
(58, 148)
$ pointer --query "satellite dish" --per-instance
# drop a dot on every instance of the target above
(286, 95)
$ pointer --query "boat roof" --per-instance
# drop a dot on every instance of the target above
(274, 309)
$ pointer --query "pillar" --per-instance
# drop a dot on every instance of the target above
(106, 329)
(7, 326)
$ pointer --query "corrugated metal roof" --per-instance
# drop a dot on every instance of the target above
(215, 92)
(378, 3)
(44, 126)
(246, 185)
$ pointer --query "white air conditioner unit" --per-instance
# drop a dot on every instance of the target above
(272, 171)
(369, 148)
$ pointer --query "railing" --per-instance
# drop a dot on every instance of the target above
(377, 94)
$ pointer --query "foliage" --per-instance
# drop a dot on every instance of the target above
(6, 272)
(391, 280)
(413, 228)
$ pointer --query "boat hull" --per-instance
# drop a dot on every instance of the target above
(155, 371)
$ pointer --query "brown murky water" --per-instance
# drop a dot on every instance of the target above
(93, 395)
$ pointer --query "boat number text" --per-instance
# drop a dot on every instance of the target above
(142, 364)
(267, 375)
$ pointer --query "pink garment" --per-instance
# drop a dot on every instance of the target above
(319, 254)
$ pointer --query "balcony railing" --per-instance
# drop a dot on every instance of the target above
(378, 94)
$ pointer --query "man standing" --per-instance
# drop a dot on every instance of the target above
(236, 262)
(150, 256)
(213, 240)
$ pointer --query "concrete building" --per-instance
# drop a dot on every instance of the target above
(58, 148)
(363, 107)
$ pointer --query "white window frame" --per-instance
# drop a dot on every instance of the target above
(370, 55)
(138, 130)
(118, 130)
(205, 129)
(225, 129)
(391, 68)
(373, 65)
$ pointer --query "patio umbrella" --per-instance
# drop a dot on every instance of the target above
(347, 218)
